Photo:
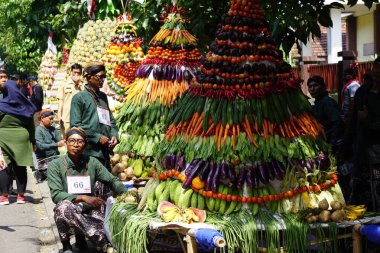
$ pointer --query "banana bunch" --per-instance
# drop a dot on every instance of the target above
(176, 214)
(354, 212)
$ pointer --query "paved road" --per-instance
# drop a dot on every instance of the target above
(30, 227)
(26, 228)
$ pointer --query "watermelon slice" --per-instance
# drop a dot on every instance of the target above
(200, 213)
(164, 207)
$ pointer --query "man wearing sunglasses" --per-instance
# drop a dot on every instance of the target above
(90, 111)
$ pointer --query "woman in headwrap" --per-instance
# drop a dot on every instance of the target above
(16, 140)
(71, 180)
(48, 140)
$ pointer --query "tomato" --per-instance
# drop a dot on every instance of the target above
(209, 193)
(271, 197)
(259, 200)
(266, 198)
(229, 197)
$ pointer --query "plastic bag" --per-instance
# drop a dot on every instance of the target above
(35, 162)
(3, 163)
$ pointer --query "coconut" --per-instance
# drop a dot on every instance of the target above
(123, 166)
(130, 199)
(115, 169)
(115, 159)
(124, 158)
(338, 216)
(129, 171)
(336, 205)
(323, 204)
(122, 176)
(324, 216)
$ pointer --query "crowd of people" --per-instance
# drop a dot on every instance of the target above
(80, 180)
(353, 131)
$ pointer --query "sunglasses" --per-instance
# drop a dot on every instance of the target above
(72, 142)
(101, 76)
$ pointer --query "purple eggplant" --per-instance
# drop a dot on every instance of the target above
(270, 169)
(203, 173)
(173, 73)
(263, 174)
(169, 73)
(164, 71)
(223, 171)
(231, 174)
(279, 171)
(187, 75)
(256, 177)
(308, 165)
(249, 178)
(180, 163)
(179, 75)
(167, 162)
(216, 178)
(241, 178)
(147, 71)
(210, 176)
(191, 166)
(193, 173)
(325, 162)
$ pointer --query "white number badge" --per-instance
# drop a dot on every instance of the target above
(78, 184)
(104, 116)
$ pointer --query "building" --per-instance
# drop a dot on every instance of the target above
(353, 38)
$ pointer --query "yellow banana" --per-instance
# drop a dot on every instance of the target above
(169, 216)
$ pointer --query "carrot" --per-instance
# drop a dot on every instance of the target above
(210, 128)
(282, 131)
(198, 126)
(217, 131)
(233, 137)
(220, 136)
(225, 133)
(237, 130)
(256, 125)
(249, 133)
(265, 128)
(190, 128)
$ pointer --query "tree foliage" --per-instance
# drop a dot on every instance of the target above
(25, 24)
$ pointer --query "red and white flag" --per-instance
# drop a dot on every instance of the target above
(91, 8)
(51, 45)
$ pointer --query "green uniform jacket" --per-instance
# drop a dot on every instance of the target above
(16, 139)
(84, 114)
(46, 142)
(57, 177)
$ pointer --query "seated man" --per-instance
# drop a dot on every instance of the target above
(71, 180)
(48, 140)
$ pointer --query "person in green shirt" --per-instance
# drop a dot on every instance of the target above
(71, 180)
(90, 111)
(48, 140)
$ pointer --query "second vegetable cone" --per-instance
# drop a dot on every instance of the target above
(162, 78)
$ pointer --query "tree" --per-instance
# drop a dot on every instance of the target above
(25, 24)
